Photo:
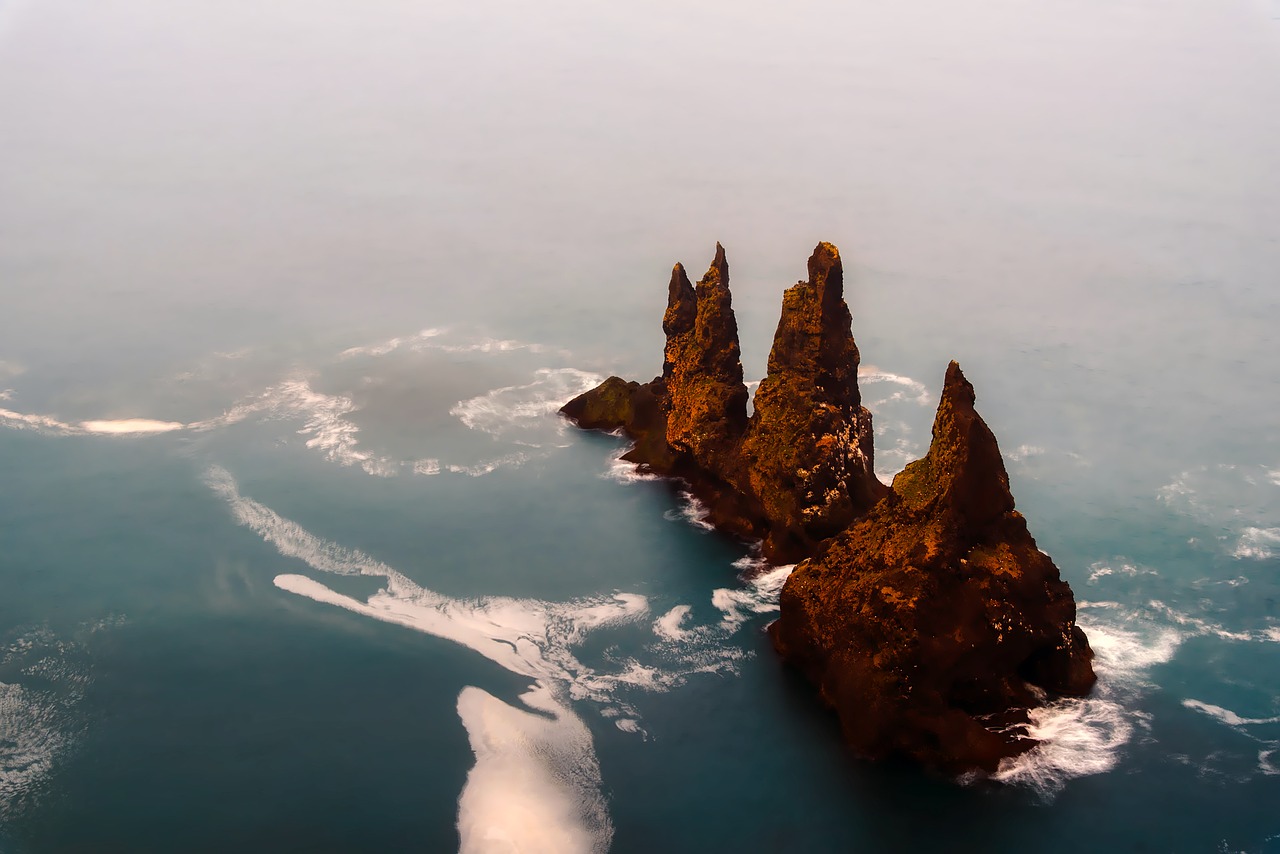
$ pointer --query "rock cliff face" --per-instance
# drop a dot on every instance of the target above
(924, 613)
(927, 622)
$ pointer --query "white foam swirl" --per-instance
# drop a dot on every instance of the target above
(519, 407)
(558, 806)
(912, 390)
(1227, 716)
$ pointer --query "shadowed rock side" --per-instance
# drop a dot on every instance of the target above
(808, 452)
(926, 623)
(801, 469)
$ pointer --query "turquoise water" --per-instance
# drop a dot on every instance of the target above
(295, 554)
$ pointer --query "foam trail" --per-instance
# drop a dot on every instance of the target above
(1023, 452)
(535, 784)
(913, 390)
(520, 407)
(41, 423)
(131, 426)
(535, 787)
(116, 427)
(558, 806)
(391, 345)
(1227, 716)
(489, 466)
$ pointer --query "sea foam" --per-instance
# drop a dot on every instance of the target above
(1227, 716)
(521, 408)
(535, 784)
(912, 390)
(1080, 737)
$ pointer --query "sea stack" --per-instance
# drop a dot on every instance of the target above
(809, 451)
(702, 368)
(924, 613)
(797, 472)
(929, 624)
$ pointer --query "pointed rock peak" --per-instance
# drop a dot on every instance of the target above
(824, 263)
(682, 304)
(957, 389)
(963, 473)
(815, 332)
(718, 272)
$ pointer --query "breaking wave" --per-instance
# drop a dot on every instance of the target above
(1080, 737)
(690, 510)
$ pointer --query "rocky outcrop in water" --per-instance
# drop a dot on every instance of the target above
(924, 613)
(930, 624)
(808, 452)
(800, 469)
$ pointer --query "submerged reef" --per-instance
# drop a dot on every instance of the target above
(923, 612)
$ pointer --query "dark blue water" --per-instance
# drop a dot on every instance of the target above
(296, 555)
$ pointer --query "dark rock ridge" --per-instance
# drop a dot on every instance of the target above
(924, 613)
(930, 622)
(800, 470)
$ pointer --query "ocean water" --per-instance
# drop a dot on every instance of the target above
(296, 555)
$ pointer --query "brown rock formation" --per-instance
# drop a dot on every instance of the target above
(801, 469)
(808, 452)
(926, 623)
(702, 367)
(924, 614)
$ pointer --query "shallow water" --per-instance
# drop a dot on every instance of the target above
(296, 554)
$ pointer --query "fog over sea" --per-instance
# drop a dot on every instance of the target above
(295, 553)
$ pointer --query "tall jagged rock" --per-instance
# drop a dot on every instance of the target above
(702, 367)
(927, 622)
(801, 468)
(689, 421)
(808, 451)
